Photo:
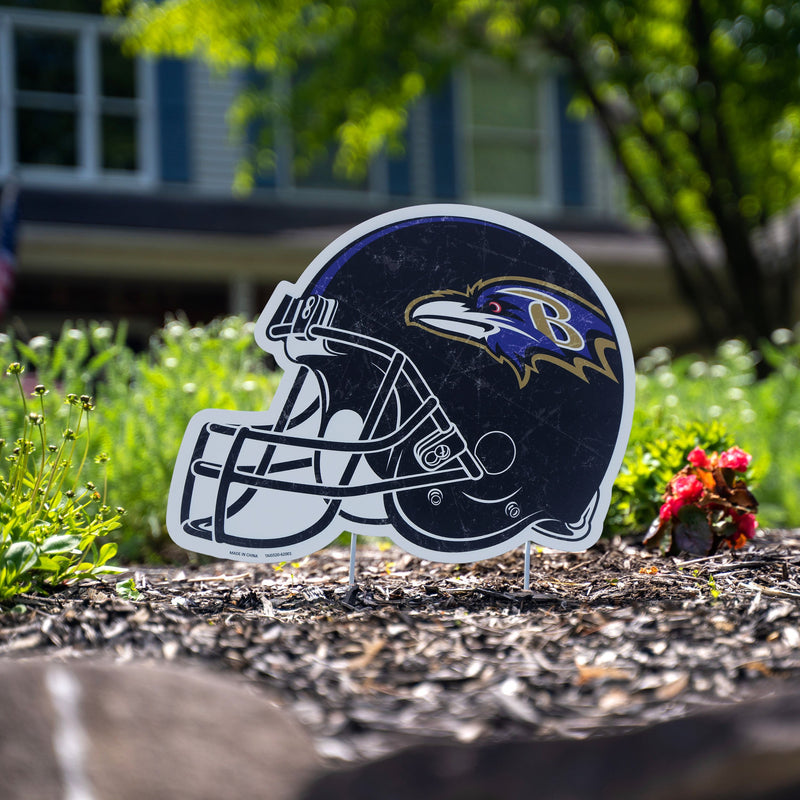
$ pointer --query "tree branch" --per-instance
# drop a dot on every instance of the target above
(681, 248)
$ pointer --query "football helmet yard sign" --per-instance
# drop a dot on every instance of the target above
(455, 379)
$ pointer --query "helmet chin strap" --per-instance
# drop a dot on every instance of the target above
(554, 529)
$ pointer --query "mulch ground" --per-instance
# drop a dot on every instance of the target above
(605, 640)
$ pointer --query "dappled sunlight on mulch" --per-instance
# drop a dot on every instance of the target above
(607, 639)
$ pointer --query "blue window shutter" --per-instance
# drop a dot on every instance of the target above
(173, 120)
(262, 179)
(573, 167)
(400, 173)
(255, 81)
(443, 141)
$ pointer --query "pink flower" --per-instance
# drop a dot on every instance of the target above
(688, 488)
(698, 458)
(747, 525)
(735, 459)
(670, 508)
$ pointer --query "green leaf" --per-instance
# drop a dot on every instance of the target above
(127, 589)
(101, 359)
(21, 556)
(52, 564)
(60, 544)
(107, 552)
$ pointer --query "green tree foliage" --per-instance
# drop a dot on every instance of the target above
(699, 101)
(701, 104)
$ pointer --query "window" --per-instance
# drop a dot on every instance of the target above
(46, 98)
(507, 134)
(311, 174)
(321, 174)
(71, 104)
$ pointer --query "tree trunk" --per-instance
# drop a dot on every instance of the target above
(752, 292)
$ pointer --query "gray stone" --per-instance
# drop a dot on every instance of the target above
(105, 731)
(747, 751)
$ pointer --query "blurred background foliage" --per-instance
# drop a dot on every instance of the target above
(699, 101)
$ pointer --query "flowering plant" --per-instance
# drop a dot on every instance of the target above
(51, 523)
(707, 505)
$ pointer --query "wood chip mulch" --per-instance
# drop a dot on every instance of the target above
(605, 640)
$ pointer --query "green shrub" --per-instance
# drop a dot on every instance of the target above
(78, 361)
(50, 521)
(145, 401)
(724, 403)
(657, 450)
(147, 405)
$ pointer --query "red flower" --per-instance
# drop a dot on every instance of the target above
(747, 525)
(720, 505)
(671, 507)
(688, 488)
(698, 458)
(735, 459)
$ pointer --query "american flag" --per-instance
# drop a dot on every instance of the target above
(9, 217)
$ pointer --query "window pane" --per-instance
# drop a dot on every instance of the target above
(118, 72)
(46, 137)
(315, 171)
(504, 100)
(119, 143)
(506, 169)
(46, 62)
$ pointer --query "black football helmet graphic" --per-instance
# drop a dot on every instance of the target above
(454, 378)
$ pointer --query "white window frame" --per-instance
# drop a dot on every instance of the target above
(89, 171)
(548, 200)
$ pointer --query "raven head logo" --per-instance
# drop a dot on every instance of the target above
(521, 322)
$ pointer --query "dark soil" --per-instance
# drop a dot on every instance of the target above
(608, 639)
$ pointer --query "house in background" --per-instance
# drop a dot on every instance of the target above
(126, 168)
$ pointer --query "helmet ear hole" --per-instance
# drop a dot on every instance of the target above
(495, 452)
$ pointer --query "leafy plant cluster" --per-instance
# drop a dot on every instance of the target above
(145, 401)
(707, 505)
(656, 451)
(51, 521)
(75, 362)
(718, 400)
